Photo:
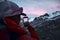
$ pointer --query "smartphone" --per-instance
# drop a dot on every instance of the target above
(25, 19)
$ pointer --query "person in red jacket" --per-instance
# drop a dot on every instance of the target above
(13, 31)
(19, 30)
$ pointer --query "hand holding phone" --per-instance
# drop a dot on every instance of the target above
(25, 21)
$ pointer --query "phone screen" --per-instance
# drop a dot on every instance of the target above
(25, 19)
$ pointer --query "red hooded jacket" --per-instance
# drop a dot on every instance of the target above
(19, 30)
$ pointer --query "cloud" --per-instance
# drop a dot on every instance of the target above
(43, 7)
(38, 7)
(32, 10)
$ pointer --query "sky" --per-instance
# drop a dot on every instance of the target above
(35, 8)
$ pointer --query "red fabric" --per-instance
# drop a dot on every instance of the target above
(14, 27)
(25, 37)
(32, 37)
(4, 35)
(33, 33)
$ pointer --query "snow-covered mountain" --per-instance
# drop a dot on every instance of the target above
(45, 17)
(48, 26)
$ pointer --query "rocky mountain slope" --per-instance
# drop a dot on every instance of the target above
(48, 26)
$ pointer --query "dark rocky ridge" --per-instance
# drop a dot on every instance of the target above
(48, 28)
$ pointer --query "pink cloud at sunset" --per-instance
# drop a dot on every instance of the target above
(34, 11)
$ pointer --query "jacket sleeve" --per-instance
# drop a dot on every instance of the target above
(14, 27)
(33, 33)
